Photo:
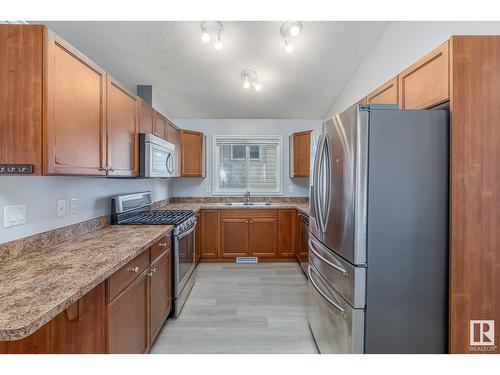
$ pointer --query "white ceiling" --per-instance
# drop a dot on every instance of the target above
(196, 81)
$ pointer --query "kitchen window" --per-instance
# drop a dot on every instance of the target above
(247, 163)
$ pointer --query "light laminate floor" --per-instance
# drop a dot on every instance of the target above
(237, 308)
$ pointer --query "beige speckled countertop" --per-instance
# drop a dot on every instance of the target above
(37, 286)
(195, 206)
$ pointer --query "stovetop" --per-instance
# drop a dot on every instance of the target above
(155, 217)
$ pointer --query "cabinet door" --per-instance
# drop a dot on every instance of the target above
(80, 329)
(128, 319)
(159, 125)
(209, 233)
(300, 144)
(425, 84)
(76, 112)
(146, 117)
(160, 292)
(192, 154)
(264, 236)
(385, 94)
(122, 131)
(21, 77)
(235, 237)
(287, 232)
(303, 247)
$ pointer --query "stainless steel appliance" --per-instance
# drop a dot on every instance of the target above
(378, 241)
(136, 209)
(156, 156)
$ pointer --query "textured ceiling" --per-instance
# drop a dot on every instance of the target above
(196, 81)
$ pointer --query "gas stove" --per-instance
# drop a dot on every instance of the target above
(156, 217)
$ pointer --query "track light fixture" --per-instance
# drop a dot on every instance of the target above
(249, 78)
(289, 30)
(217, 28)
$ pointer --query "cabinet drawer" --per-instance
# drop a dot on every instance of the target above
(161, 246)
(125, 275)
(247, 212)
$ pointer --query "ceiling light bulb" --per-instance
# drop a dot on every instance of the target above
(257, 86)
(218, 43)
(288, 46)
(205, 37)
(246, 83)
(294, 30)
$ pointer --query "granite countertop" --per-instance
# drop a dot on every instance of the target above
(37, 286)
(196, 206)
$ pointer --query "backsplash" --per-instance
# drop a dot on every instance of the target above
(219, 199)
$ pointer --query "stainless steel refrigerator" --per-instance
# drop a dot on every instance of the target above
(378, 240)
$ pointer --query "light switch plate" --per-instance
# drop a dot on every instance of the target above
(209, 188)
(75, 206)
(290, 189)
(14, 215)
(61, 208)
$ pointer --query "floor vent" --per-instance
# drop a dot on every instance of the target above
(247, 260)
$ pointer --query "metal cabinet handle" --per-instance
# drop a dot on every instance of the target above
(112, 169)
(337, 306)
(333, 265)
(134, 269)
(152, 272)
(163, 245)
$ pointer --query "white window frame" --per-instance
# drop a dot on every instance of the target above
(238, 192)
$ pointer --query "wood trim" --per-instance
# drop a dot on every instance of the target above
(391, 84)
(475, 181)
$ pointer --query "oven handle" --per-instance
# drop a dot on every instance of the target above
(189, 231)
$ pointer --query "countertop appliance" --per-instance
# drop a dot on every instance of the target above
(156, 156)
(378, 241)
(136, 209)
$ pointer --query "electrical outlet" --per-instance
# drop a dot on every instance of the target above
(75, 206)
(209, 188)
(290, 189)
(14, 215)
(61, 208)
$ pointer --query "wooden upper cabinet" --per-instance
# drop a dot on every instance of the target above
(300, 146)
(209, 233)
(76, 111)
(146, 117)
(122, 131)
(425, 84)
(192, 154)
(160, 124)
(21, 77)
(385, 94)
(287, 232)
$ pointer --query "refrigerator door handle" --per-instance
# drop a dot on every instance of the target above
(323, 259)
(323, 294)
(314, 187)
(323, 183)
(328, 183)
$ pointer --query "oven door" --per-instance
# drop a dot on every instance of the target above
(184, 258)
(159, 161)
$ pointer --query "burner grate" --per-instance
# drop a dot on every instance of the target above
(158, 217)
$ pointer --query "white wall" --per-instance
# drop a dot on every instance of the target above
(41, 193)
(197, 187)
(400, 45)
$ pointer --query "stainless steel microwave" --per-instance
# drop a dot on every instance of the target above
(156, 156)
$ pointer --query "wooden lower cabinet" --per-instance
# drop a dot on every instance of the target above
(160, 292)
(235, 237)
(264, 236)
(287, 234)
(209, 234)
(127, 318)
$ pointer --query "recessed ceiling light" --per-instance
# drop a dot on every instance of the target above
(250, 79)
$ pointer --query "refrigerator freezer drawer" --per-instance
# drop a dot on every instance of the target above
(347, 280)
(337, 327)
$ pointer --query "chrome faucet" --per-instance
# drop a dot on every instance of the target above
(246, 196)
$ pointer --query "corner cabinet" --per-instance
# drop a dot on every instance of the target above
(192, 145)
(300, 146)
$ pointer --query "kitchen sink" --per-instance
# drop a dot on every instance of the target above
(248, 203)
